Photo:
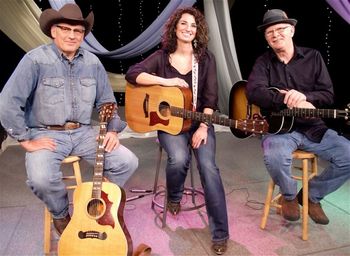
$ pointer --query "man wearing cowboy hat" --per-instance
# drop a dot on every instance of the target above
(47, 105)
(302, 81)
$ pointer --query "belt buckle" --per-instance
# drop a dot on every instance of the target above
(71, 126)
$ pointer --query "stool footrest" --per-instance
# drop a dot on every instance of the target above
(187, 191)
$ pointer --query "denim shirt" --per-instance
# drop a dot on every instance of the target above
(48, 89)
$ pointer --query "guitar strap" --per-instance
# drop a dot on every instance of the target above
(194, 82)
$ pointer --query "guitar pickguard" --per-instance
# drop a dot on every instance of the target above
(107, 218)
(154, 120)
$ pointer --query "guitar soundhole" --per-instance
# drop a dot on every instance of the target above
(164, 109)
(95, 208)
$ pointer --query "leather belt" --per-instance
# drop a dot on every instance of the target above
(66, 126)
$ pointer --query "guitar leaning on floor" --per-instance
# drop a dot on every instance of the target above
(279, 122)
(155, 107)
(97, 226)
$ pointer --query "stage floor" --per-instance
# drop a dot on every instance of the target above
(245, 180)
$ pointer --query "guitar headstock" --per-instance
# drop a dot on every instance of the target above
(347, 112)
(257, 125)
(107, 112)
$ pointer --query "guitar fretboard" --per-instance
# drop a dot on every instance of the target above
(256, 126)
(308, 112)
(98, 169)
(202, 117)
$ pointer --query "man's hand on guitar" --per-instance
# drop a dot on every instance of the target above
(293, 98)
(111, 141)
(37, 144)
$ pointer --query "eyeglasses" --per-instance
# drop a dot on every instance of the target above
(278, 30)
(66, 30)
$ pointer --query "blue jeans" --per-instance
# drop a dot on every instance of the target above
(333, 148)
(43, 166)
(179, 156)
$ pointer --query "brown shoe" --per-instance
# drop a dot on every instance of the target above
(316, 212)
(173, 207)
(219, 247)
(61, 224)
(290, 209)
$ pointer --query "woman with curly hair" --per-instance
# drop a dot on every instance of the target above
(185, 61)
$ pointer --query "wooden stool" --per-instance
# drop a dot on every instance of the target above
(188, 190)
(75, 180)
(305, 157)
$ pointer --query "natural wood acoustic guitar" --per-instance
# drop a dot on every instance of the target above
(97, 226)
(169, 109)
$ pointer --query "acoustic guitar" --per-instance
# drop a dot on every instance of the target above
(97, 226)
(279, 122)
(169, 109)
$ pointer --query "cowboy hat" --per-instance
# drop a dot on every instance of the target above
(70, 14)
(275, 16)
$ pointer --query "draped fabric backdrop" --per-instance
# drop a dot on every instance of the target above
(223, 46)
(342, 7)
(19, 21)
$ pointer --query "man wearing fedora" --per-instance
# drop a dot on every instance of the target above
(47, 105)
(302, 81)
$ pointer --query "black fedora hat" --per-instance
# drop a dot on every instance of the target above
(70, 14)
(275, 16)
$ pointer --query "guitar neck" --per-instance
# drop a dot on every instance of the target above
(202, 117)
(98, 168)
(308, 112)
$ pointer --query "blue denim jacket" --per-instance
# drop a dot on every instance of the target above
(48, 89)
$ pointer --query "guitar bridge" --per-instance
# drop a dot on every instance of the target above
(92, 234)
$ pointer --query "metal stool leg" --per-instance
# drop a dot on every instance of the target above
(165, 208)
(193, 190)
(155, 185)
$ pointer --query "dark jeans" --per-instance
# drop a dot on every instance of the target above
(179, 156)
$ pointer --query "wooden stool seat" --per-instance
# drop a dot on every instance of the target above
(72, 181)
(306, 175)
(163, 192)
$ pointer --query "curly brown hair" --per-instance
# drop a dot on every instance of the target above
(169, 39)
